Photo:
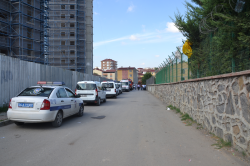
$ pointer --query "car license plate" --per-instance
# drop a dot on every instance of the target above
(25, 105)
(83, 95)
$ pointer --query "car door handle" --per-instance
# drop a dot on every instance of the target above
(62, 100)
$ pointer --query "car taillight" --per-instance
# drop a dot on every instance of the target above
(115, 90)
(10, 106)
(96, 92)
(45, 105)
(75, 91)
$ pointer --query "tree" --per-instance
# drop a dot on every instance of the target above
(145, 77)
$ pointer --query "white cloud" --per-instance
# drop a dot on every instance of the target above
(143, 63)
(133, 37)
(157, 56)
(171, 27)
(131, 8)
(95, 13)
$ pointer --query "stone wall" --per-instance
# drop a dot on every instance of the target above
(220, 104)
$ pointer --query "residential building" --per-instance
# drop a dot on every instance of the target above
(108, 64)
(23, 29)
(127, 73)
(71, 35)
(142, 71)
(110, 74)
(98, 71)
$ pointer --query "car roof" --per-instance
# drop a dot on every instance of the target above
(48, 86)
(88, 82)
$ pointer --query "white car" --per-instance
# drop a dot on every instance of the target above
(110, 88)
(91, 92)
(48, 102)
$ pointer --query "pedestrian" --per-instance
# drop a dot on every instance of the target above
(138, 86)
(141, 87)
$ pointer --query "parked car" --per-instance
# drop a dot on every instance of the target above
(47, 102)
(91, 92)
(110, 88)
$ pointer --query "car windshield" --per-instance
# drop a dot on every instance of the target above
(37, 91)
(85, 86)
(124, 83)
(108, 85)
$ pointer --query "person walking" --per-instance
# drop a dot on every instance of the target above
(138, 86)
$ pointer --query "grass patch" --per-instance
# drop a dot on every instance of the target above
(243, 154)
(221, 143)
(3, 109)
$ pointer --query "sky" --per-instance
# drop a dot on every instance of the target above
(137, 33)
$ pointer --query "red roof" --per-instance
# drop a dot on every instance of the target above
(125, 68)
(140, 74)
(97, 69)
(108, 60)
(109, 71)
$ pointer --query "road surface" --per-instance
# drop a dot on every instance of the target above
(133, 130)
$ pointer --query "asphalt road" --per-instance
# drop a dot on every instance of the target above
(133, 130)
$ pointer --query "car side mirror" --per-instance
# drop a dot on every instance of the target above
(77, 96)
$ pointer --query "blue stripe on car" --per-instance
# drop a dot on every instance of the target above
(60, 107)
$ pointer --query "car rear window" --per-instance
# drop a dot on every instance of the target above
(84, 86)
(108, 85)
(124, 83)
(37, 91)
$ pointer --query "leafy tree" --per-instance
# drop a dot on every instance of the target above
(220, 36)
(145, 77)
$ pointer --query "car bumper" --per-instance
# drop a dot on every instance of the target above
(110, 95)
(32, 117)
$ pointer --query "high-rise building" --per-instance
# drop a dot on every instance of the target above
(108, 64)
(71, 34)
(23, 29)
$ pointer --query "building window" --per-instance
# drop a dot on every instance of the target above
(29, 51)
(29, 2)
(62, 33)
(30, 14)
(63, 52)
(62, 24)
(62, 6)
(72, 61)
(72, 7)
(63, 43)
(72, 52)
(62, 15)
(130, 70)
(72, 33)
(63, 61)
(130, 75)
(72, 16)
(29, 32)
(72, 43)
(72, 25)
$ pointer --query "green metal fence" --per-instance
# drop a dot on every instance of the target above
(175, 69)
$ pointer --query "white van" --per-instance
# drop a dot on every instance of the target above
(110, 88)
(125, 85)
(91, 92)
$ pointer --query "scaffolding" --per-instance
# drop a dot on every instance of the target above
(67, 34)
(22, 29)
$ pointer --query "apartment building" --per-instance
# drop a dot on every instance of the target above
(23, 29)
(108, 64)
(98, 71)
(127, 73)
(110, 74)
(71, 35)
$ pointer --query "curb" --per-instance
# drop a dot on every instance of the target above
(5, 122)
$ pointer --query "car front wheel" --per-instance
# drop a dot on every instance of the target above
(98, 102)
(81, 111)
(58, 120)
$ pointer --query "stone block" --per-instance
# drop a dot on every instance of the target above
(245, 107)
(219, 132)
(236, 129)
(213, 120)
(221, 88)
(228, 138)
(229, 106)
(235, 87)
(220, 108)
(228, 126)
(242, 140)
